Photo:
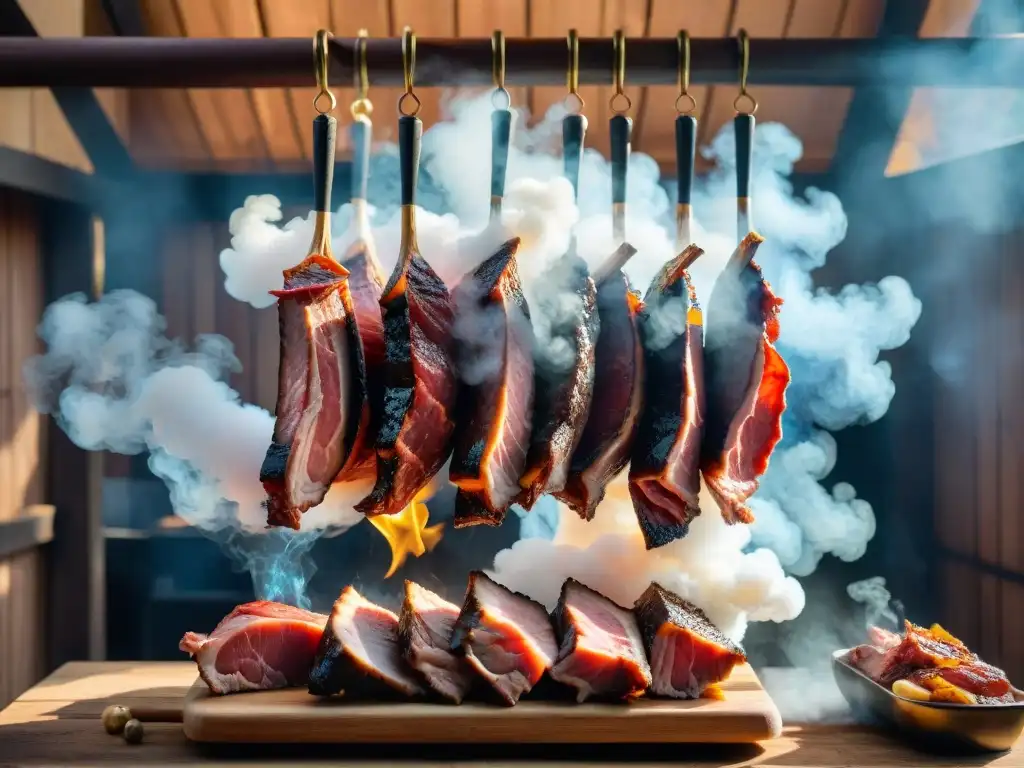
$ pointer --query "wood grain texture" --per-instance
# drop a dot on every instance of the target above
(746, 715)
(56, 723)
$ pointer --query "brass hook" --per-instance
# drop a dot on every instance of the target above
(684, 97)
(619, 74)
(500, 99)
(408, 70)
(573, 102)
(320, 66)
(744, 98)
(362, 106)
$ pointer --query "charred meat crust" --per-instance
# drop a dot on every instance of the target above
(657, 607)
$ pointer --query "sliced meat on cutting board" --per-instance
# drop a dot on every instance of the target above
(359, 651)
(746, 382)
(425, 630)
(313, 431)
(566, 328)
(687, 653)
(414, 440)
(664, 474)
(256, 647)
(494, 343)
(607, 440)
(601, 652)
(505, 636)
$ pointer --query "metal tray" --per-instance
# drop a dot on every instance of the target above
(986, 727)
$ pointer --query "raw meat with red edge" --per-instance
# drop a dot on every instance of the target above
(256, 647)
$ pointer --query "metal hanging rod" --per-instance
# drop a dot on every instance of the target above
(171, 62)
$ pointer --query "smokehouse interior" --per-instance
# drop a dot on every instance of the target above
(542, 364)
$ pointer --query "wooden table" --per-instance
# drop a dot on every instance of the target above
(57, 723)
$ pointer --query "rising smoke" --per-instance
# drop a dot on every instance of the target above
(115, 382)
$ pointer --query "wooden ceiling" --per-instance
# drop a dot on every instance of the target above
(265, 129)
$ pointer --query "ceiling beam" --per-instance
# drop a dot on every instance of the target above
(81, 108)
(876, 112)
(35, 175)
(125, 17)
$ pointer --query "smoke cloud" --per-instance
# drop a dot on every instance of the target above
(115, 382)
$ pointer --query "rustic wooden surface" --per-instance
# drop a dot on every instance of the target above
(57, 723)
(745, 716)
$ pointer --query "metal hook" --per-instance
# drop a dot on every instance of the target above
(500, 99)
(573, 102)
(619, 74)
(320, 66)
(684, 97)
(744, 98)
(408, 70)
(362, 106)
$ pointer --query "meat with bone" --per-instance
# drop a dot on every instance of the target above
(494, 356)
(746, 382)
(934, 660)
(563, 361)
(256, 647)
(601, 652)
(686, 651)
(425, 632)
(607, 439)
(506, 637)
(664, 474)
(420, 387)
(313, 433)
(359, 650)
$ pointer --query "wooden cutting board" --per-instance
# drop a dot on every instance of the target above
(746, 714)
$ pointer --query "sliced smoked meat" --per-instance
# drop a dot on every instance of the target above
(368, 357)
(601, 652)
(686, 651)
(313, 433)
(664, 474)
(256, 647)
(563, 361)
(425, 630)
(495, 360)
(506, 637)
(746, 382)
(359, 651)
(607, 440)
(420, 387)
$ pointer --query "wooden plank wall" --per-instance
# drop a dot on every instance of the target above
(22, 587)
(979, 463)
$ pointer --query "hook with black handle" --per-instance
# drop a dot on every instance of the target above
(686, 146)
(574, 124)
(620, 129)
(743, 127)
(325, 137)
(361, 138)
(501, 124)
(410, 134)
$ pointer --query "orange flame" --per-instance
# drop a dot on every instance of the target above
(407, 532)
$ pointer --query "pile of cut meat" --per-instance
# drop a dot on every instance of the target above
(383, 382)
(496, 647)
(930, 665)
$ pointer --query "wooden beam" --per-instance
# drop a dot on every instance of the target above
(77, 565)
(44, 178)
(125, 17)
(32, 528)
(876, 112)
(81, 108)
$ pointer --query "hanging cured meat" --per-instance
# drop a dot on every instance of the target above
(563, 355)
(496, 399)
(365, 282)
(746, 382)
(420, 382)
(604, 447)
(664, 474)
(313, 432)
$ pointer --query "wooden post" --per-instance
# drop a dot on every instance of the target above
(77, 567)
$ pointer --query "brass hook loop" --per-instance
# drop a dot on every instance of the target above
(619, 75)
(573, 102)
(320, 66)
(744, 99)
(685, 103)
(500, 99)
(408, 71)
(362, 106)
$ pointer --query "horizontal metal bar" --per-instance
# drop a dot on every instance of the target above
(171, 62)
